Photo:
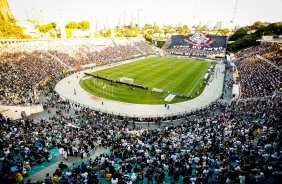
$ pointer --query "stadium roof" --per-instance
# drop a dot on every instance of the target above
(271, 41)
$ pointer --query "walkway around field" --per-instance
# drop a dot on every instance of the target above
(70, 89)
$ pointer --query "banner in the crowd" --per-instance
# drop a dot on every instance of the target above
(198, 41)
(280, 46)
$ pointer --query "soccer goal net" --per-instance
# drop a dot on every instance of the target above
(126, 80)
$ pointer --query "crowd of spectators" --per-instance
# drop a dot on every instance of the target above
(270, 51)
(24, 72)
(274, 56)
(236, 143)
(255, 50)
(25, 65)
(222, 143)
(193, 52)
(88, 53)
(257, 77)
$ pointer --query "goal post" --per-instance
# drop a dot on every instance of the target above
(126, 80)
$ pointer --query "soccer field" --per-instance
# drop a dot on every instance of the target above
(183, 76)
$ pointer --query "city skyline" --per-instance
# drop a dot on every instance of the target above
(180, 12)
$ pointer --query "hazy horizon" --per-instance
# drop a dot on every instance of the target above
(111, 12)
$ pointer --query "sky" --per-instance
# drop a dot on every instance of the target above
(161, 12)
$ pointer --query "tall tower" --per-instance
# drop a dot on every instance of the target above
(112, 31)
(231, 24)
(92, 27)
(234, 12)
(194, 12)
(5, 12)
(62, 24)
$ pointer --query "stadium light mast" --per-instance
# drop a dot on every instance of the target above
(194, 12)
(33, 15)
(62, 25)
(234, 12)
(41, 15)
(123, 18)
(91, 30)
(138, 16)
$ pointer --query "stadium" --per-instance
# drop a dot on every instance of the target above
(127, 97)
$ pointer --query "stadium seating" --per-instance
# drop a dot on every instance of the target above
(257, 77)
(26, 66)
(238, 142)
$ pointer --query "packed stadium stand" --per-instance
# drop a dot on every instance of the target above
(241, 143)
(257, 76)
(237, 142)
(269, 51)
(24, 66)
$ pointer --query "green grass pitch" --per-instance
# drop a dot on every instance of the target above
(183, 76)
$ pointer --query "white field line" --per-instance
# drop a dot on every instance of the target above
(196, 83)
(153, 71)
(180, 81)
(86, 78)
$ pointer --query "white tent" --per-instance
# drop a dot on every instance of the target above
(235, 90)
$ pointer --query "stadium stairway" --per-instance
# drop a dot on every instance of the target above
(39, 173)
(60, 61)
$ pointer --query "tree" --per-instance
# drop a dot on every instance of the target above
(118, 32)
(148, 26)
(224, 32)
(9, 29)
(258, 25)
(243, 37)
(246, 41)
(201, 28)
(47, 27)
(105, 32)
(157, 29)
(168, 29)
(72, 25)
(275, 28)
(52, 34)
(241, 32)
(69, 33)
(160, 43)
(83, 25)
(183, 30)
(148, 37)
(136, 29)
(129, 32)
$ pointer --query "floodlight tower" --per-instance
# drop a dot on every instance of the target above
(138, 16)
(194, 12)
(62, 25)
(234, 12)
(92, 27)
(41, 16)
(123, 18)
(33, 15)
